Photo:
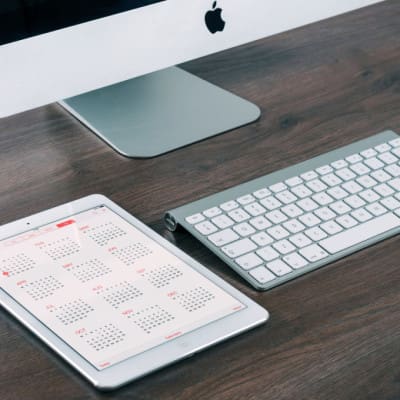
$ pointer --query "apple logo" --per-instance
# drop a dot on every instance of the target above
(214, 20)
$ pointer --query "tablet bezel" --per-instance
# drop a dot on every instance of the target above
(144, 363)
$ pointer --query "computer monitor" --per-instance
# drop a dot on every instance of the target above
(88, 52)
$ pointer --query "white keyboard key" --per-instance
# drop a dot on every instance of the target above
(255, 209)
(300, 240)
(325, 214)
(395, 142)
(249, 261)
(388, 158)
(237, 249)
(393, 170)
(337, 193)
(260, 223)
(307, 204)
(286, 197)
(340, 207)
(376, 209)
(397, 212)
(331, 227)
(395, 184)
(323, 199)
(278, 187)
(279, 268)
(278, 232)
(294, 226)
(310, 175)
(268, 253)
(212, 212)
(367, 181)
(369, 153)
(374, 163)
(355, 201)
(292, 211)
(244, 229)
(352, 187)
(361, 233)
(316, 186)
(339, 164)
(391, 203)
(276, 217)
(354, 158)
(301, 191)
(229, 205)
(313, 253)
(346, 221)
(224, 237)
(310, 220)
(271, 203)
(381, 176)
(360, 169)
(239, 215)
(260, 194)
(384, 190)
(222, 221)
(246, 199)
(331, 180)
(369, 196)
(396, 152)
(382, 148)
(326, 169)
(284, 247)
(262, 239)
(361, 215)
(294, 181)
(262, 275)
(345, 174)
(296, 261)
(206, 228)
(195, 219)
(316, 234)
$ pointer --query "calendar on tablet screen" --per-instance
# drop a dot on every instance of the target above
(107, 289)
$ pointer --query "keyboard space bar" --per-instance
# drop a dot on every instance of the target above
(360, 233)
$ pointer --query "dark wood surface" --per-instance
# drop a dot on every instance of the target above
(333, 334)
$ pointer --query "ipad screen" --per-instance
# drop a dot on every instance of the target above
(106, 288)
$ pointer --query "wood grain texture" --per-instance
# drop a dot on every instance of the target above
(334, 334)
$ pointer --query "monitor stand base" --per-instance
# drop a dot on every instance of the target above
(160, 112)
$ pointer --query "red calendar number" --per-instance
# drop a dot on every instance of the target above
(65, 223)
(172, 294)
(127, 312)
(97, 288)
(105, 364)
(80, 331)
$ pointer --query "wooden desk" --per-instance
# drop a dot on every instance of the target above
(333, 334)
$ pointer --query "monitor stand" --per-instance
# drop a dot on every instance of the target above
(160, 112)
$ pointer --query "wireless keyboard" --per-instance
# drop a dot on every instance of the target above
(285, 224)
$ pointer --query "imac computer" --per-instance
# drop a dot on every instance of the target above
(110, 63)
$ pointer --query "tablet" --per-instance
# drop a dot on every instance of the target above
(112, 297)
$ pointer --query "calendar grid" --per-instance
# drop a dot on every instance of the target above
(106, 288)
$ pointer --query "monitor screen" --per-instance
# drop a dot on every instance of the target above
(21, 19)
